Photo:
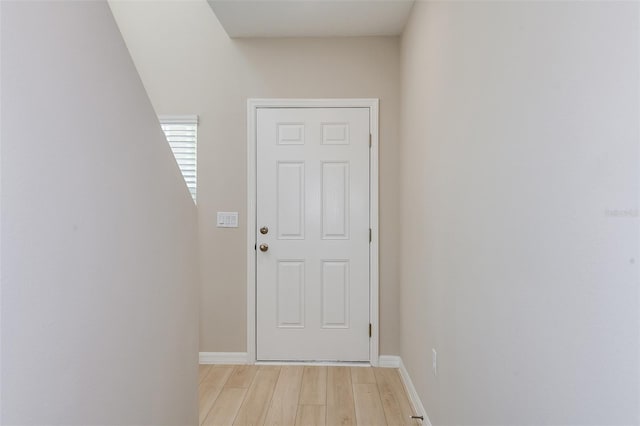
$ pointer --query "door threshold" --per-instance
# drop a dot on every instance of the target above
(318, 363)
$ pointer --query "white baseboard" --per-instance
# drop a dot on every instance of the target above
(356, 364)
(416, 403)
(224, 358)
(389, 361)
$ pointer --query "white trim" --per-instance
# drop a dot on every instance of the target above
(1, 333)
(224, 358)
(414, 399)
(312, 103)
(373, 223)
(389, 361)
(252, 106)
(318, 363)
(179, 119)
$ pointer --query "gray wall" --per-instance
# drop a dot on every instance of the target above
(211, 75)
(99, 271)
(519, 247)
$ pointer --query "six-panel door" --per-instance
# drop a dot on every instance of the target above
(312, 282)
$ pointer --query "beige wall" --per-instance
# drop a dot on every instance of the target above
(99, 271)
(519, 143)
(190, 66)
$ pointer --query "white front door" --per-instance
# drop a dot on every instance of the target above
(312, 234)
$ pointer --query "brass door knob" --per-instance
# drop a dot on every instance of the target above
(264, 247)
(264, 230)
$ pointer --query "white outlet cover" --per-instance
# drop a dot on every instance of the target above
(434, 362)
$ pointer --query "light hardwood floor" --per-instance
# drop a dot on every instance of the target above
(302, 395)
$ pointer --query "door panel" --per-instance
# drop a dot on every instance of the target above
(335, 200)
(290, 289)
(335, 294)
(312, 283)
(290, 200)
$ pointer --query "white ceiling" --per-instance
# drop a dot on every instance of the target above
(312, 18)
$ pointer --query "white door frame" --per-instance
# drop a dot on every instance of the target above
(252, 107)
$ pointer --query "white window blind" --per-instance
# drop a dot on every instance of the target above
(182, 135)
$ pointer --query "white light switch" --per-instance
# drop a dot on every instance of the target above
(227, 220)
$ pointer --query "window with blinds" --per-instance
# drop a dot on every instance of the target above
(182, 135)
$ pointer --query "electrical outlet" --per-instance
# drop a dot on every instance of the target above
(434, 362)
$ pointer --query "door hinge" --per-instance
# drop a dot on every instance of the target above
(369, 329)
(369, 234)
(255, 247)
(369, 140)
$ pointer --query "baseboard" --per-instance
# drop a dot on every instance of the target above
(416, 403)
(389, 361)
(356, 364)
(224, 358)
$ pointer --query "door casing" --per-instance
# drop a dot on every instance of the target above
(252, 106)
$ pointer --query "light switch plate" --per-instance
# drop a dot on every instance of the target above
(227, 220)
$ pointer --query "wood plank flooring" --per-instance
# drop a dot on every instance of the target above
(250, 395)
